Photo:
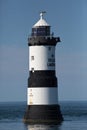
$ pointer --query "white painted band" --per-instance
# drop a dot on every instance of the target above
(42, 96)
(41, 58)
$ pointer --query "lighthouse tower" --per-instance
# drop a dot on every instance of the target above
(42, 92)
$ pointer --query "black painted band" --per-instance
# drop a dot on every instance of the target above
(42, 79)
(43, 113)
(43, 73)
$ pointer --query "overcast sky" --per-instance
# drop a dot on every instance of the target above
(68, 19)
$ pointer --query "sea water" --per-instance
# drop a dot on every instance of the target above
(74, 113)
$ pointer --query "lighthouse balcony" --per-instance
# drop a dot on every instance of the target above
(43, 40)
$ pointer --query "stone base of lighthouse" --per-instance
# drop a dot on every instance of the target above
(43, 114)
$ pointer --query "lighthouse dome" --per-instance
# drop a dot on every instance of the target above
(41, 22)
(41, 28)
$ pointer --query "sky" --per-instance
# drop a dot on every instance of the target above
(68, 20)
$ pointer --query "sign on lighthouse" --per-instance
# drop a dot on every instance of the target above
(42, 91)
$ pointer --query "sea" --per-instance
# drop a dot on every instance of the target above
(74, 114)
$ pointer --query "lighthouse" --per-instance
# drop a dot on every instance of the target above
(42, 91)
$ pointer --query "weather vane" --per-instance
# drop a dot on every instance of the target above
(42, 13)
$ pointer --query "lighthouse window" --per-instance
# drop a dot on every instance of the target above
(32, 57)
(49, 48)
(32, 69)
